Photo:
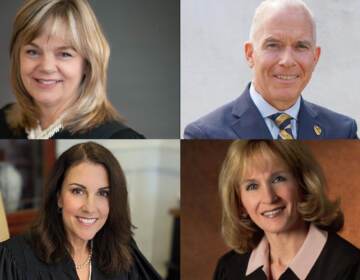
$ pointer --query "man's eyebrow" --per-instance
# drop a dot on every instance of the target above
(271, 40)
(305, 42)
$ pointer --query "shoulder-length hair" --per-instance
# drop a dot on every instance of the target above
(111, 244)
(239, 231)
(92, 106)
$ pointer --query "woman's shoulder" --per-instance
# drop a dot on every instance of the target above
(339, 259)
(342, 246)
(13, 254)
(18, 249)
(4, 126)
(6, 132)
(231, 265)
(106, 130)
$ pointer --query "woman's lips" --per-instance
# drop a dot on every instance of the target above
(273, 212)
(47, 83)
(86, 221)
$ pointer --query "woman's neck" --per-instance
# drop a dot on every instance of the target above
(284, 246)
(80, 252)
(52, 113)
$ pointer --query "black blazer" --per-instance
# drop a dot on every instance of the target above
(107, 130)
(338, 260)
(19, 262)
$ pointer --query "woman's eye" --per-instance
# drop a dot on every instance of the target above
(104, 193)
(32, 52)
(251, 187)
(279, 179)
(65, 54)
(77, 191)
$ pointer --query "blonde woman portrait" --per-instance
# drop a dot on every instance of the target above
(59, 61)
(277, 218)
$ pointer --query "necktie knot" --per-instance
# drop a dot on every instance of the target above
(283, 122)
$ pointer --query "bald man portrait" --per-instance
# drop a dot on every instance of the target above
(282, 53)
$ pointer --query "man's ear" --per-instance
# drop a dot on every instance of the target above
(249, 53)
(317, 54)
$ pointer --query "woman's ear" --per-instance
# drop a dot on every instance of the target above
(59, 201)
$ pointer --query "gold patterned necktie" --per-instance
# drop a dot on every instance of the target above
(283, 122)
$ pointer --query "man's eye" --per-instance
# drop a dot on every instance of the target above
(272, 45)
(303, 47)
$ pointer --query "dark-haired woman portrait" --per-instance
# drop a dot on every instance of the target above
(277, 217)
(84, 229)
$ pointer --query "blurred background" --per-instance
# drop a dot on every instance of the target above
(152, 170)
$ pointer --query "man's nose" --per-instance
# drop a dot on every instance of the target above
(287, 58)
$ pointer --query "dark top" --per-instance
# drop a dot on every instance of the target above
(339, 260)
(18, 262)
(107, 130)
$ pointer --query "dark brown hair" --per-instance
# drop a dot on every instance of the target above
(48, 236)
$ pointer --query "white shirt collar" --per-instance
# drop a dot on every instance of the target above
(39, 133)
(267, 109)
(303, 261)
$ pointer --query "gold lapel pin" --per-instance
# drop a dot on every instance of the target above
(317, 129)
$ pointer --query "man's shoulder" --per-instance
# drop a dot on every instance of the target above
(326, 113)
(212, 123)
(340, 126)
(217, 124)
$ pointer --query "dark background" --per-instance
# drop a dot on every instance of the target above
(144, 70)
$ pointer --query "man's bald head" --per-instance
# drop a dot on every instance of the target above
(269, 6)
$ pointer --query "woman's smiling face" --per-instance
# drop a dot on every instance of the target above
(51, 69)
(84, 200)
(270, 194)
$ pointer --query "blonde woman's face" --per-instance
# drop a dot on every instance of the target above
(51, 69)
(270, 194)
(84, 200)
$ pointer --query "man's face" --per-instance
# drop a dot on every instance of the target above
(283, 55)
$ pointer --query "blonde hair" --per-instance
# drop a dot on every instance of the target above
(92, 106)
(239, 232)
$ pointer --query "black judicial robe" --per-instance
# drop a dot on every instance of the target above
(18, 262)
(338, 260)
(107, 130)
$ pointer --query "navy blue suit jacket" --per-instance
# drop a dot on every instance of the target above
(241, 119)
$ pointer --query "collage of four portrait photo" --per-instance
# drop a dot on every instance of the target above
(172, 139)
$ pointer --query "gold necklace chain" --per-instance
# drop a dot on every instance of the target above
(88, 260)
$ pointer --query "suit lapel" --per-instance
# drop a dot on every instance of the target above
(248, 123)
(308, 125)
